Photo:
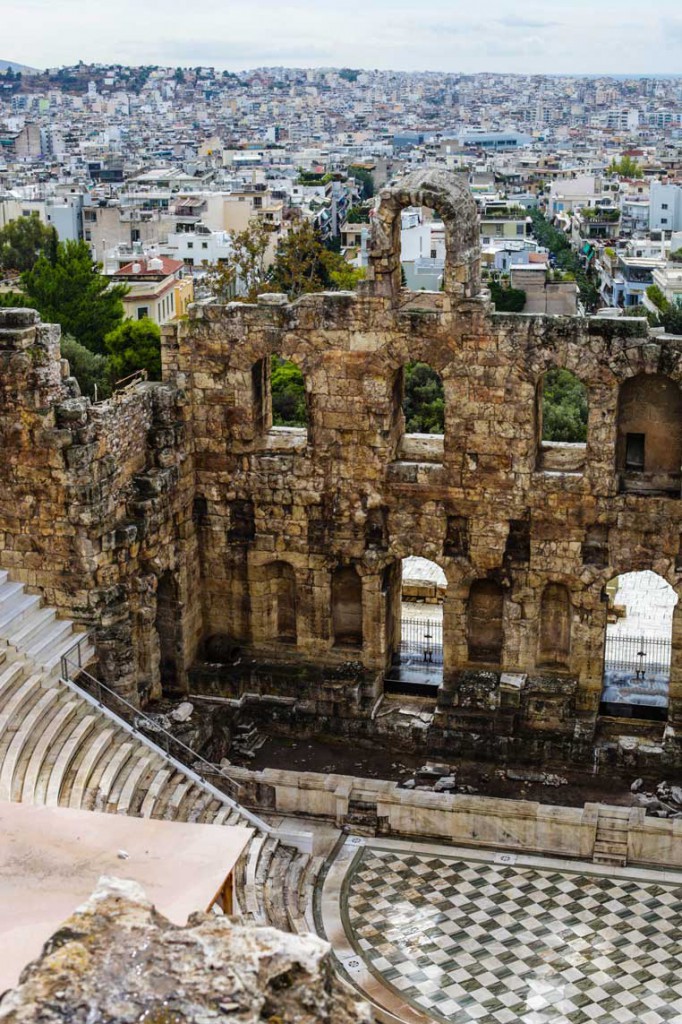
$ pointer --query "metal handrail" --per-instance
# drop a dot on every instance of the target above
(68, 662)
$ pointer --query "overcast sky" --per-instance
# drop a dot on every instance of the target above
(439, 35)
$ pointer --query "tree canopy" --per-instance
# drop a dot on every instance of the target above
(23, 241)
(567, 260)
(626, 167)
(507, 300)
(71, 292)
(564, 407)
(289, 407)
(303, 264)
(424, 400)
(365, 178)
(135, 345)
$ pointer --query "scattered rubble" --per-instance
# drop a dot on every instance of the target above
(247, 740)
(183, 712)
(666, 802)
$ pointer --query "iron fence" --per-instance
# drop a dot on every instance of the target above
(421, 640)
(643, 656)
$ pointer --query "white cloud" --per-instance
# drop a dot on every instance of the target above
(443, 35)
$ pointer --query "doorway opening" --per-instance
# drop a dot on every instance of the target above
(638, 646)
(417, 644)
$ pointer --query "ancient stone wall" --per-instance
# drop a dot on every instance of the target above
(284, 544)
(96, 502)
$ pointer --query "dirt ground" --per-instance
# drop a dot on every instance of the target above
(328, 756)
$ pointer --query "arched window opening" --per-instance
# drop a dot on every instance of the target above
(649, 440)
(638, 646)
(168, 631)
(346, 607)
(288, 394)
(416, 655)
(554, 648)
(282, 602)
(485, 633)
(562, 408)
(422, 249)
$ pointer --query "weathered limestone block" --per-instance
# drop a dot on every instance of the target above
(117, 960)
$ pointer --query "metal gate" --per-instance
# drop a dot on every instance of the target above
(421, 640)
(636, 673)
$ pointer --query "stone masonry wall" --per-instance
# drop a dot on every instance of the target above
(189, 478)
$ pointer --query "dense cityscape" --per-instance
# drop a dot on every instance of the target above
(171, 163)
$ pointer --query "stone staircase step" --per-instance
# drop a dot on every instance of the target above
(212, 809)
(9, 590)
(120, 758)
(177, 798)
(156, 787)
(100, 742)
(250, 896)
(45, 641)
(144, 766)
(292, 894)
(199, 807)
(68, 709)
(10, 678)
(222, 815)
(26, 732)
(68, 752)
(14, 615)
(33, 625)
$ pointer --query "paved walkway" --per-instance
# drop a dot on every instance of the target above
(433, 933)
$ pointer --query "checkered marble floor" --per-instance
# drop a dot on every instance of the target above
(488, 943)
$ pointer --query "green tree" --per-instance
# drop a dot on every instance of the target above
(564, 407)
(247, 264)
(365, 178)
(15, 299)
(300, 264)
(24, 240)
(70, 291)
(567, 260)
(626, 167)
(289, 407)
(135, 345)
(90, 369)
(507, 300)
(424, 400)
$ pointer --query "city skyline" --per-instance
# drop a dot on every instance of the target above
(568, 39)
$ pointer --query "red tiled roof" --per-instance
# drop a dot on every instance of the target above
(169, 266)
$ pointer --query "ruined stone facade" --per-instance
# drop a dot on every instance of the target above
(179, 506)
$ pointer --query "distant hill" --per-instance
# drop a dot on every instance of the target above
(15, 66)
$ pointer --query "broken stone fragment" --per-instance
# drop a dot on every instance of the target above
(116, 959)
(182, 712)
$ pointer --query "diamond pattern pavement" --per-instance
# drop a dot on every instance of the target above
(480, 943)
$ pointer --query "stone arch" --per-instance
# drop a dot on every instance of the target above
(485, 629)
(167, 623)
(641, 646)
(451, 199)
(346, 607)
(282, 602)
(649, 434)
(554, 641)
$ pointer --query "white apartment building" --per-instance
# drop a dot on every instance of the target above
(665, 210)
